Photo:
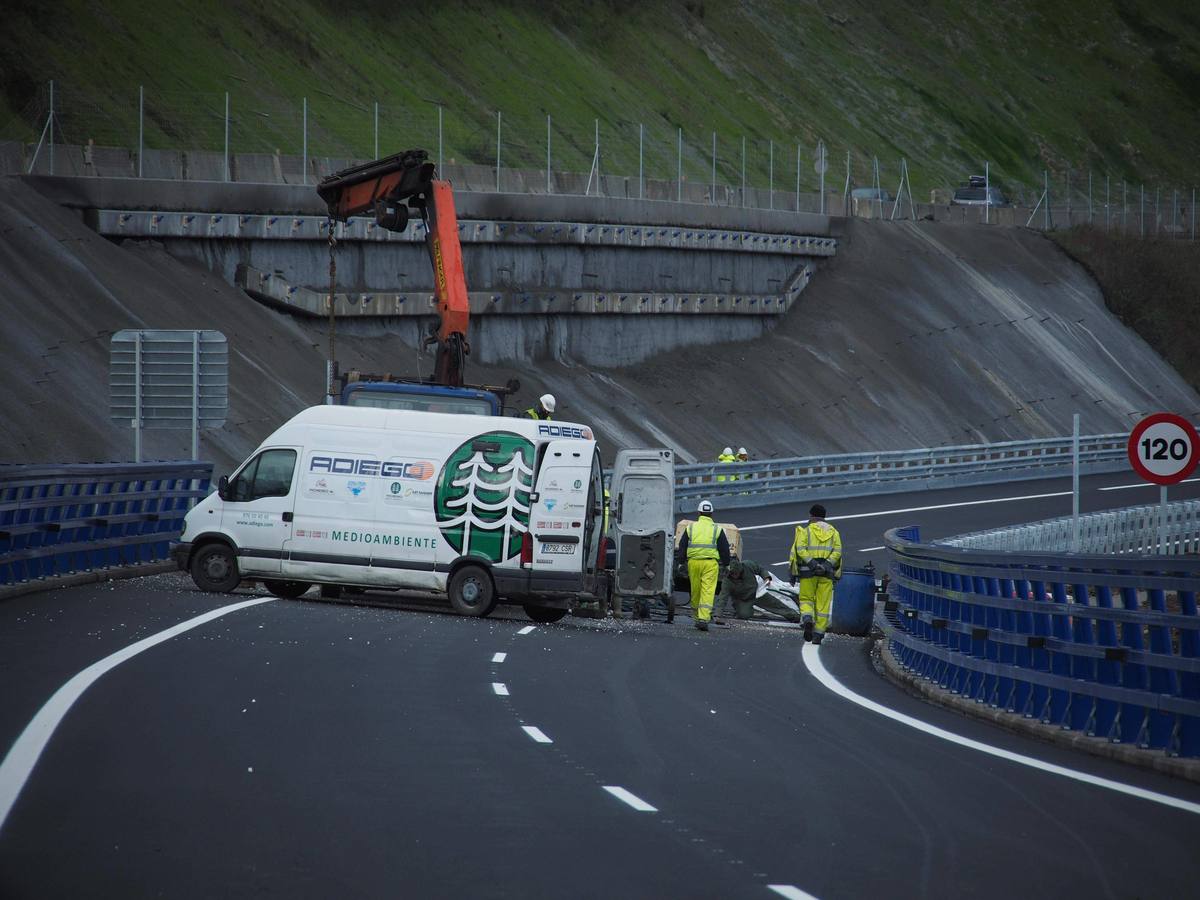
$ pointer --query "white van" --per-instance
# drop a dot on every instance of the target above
(480, 509)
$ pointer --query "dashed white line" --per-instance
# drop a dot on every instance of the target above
(19, 763)
(632, 799)
(790, 891)
(527, 629)
(499, 657)
(892, 512)
(812, 659)
(500, 688)
(1143, 484)
(537, 734)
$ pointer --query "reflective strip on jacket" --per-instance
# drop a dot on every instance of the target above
(533, 414)
(703, 536)
(817, 540)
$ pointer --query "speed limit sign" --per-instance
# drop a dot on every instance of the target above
(1163, 448)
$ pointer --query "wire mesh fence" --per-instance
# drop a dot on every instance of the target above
(237, 135)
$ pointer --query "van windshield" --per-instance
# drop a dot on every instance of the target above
(464, 406)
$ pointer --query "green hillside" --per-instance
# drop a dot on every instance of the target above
(1027, 84)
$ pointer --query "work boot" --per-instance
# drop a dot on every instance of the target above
(816, 638)
(808, 630)
(702, 625)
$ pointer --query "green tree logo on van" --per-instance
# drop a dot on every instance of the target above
(482, 497)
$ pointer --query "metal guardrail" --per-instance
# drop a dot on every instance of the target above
(1116, 532)
(1105, 646)
(858, 474)
(58, 520)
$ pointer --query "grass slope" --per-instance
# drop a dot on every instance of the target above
(1111, 85)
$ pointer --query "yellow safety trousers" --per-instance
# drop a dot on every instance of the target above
(702, 574)
(816, 600)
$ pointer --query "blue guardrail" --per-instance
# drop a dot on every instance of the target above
(57, 520)
(1105, 645)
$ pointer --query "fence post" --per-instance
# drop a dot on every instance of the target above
(987, 192)
(714, 168)
(137, 396)
(641, 174)
(1075, 484)
(797, 178)
(304, 147)
(51, 121)
(1046, 195)
(141, 123)
(679, 168)
(227, 135)
(195, 395)
(497, 151)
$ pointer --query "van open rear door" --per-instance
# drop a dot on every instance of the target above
(643, 503)
(565, 522)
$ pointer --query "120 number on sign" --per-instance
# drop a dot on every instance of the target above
(1163, 448)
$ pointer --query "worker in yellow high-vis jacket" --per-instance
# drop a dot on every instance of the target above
(817, 558)
(706, 549)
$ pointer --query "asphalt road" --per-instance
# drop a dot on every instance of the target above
(305, 749)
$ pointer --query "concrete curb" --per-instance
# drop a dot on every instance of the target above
(1188, 769)
(61, 581)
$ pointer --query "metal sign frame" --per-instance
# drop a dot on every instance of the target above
(171, 379)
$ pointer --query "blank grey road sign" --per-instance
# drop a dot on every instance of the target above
(180, 371)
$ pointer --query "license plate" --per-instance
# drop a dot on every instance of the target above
(558, 548)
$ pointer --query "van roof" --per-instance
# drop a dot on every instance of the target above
(444, 423)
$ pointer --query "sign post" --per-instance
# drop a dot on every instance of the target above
(1163, 449)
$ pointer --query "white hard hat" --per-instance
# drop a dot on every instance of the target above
(547, 401)
(741, 451)
(704, 507)
(728, 451)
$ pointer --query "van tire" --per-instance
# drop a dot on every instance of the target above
(288, 590)
(471, 592)
(214, 569)
(543, 614)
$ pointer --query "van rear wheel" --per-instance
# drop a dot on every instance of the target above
(214, 569)
(288, 590)
(472, 592)
(544, 614)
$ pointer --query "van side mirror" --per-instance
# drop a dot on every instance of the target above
(223, 487)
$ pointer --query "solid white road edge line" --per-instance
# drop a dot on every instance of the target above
(536, 734)
(527, 629)
(499, 657)
(812, 659)
(790, 891)
(23, 756)
(892, 512)
(500, 689)
(1143, 484)
(632, 799)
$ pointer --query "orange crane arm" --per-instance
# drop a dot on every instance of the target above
(388, 188)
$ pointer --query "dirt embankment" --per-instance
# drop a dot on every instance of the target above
(914, 335)
(1152, 286)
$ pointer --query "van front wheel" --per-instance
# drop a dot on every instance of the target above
(472, 592)
(545, 614)
(214, 569)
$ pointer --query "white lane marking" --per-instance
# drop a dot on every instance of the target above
(499, 657)
(536, 734)
(790, 891)
(527, 629)
(892, 512)
(1143, 484)
(812, 659)
(869, 549)
(500, 689)
(632, 799)
(23, 756)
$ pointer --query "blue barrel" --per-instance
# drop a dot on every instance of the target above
(853, 602)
